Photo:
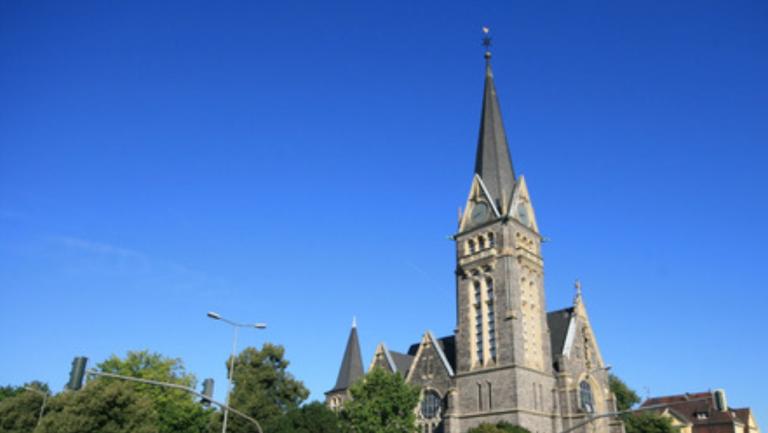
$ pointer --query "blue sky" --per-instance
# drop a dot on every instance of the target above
(300, 163)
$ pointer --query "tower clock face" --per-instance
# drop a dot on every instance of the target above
(522, 214)
(480, 213)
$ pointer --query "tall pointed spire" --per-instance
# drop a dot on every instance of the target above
(493, 163)
(352, 363)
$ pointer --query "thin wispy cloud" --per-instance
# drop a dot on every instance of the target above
(98, 247)
(96, 257)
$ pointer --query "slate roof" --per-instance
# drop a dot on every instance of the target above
(558, 322)
(447, 345)
(352, 363)
(402, 361)
(493, 163)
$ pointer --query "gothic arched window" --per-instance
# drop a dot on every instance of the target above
(491, 318)
(585, 394)
(491, 240)
(471, 246)
(430, 405)
(478, 307)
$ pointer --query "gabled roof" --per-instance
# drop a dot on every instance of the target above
(351, 365)
(558, 322)
(493, 163)
(397, 362)
(402, 362)
(690, 404)
(429, 339)
(446, 347)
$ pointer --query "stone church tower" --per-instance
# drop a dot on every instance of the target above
(502, 342)
(508, 359)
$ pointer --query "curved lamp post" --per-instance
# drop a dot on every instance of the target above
(236, 326)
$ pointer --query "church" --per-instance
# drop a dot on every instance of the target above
(508, 359)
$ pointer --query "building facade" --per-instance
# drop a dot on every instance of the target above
(697, 413)
(508, 359)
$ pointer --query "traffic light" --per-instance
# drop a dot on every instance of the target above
(721, 404)
(207, 391)
(77, 373)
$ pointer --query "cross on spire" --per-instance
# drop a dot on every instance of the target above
(487, 41)
(577, 286)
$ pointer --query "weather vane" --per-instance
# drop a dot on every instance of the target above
(487, 41)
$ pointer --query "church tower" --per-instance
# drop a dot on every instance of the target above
(503, 356)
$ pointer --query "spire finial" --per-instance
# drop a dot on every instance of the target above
(354, 322)
(487, 42)
(577, 286)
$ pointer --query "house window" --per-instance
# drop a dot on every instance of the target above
(585, 394)
(481, 242)
(491, 240)
(471, 246)
(430, 405)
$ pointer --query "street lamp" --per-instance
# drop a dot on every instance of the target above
(608, 367)
(216, 316)
(42, 407)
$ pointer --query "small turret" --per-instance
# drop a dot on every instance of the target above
(350, 371)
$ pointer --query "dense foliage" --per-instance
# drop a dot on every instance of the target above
(637, 422)
(101, 407)
(381, 403)
(625, 396)
(19, 409)
(648, 422)
(177, 411)
(501, 427)
(263, 388)
(314, 417)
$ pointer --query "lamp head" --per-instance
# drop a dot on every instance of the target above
(214, 315)
(260, 325)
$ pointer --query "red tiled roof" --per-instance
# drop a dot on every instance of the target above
(690, 404)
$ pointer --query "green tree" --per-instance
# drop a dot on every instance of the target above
(178, 411)
(381, 403)
(501, 427)
(626, 397)
(637, 422)
(648, 422)
(101, 407)
(19, 412)
(314, 417)
(20, 408)
(263, 388)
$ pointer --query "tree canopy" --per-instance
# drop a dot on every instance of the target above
(101, 407)
(381, 403)
(178, 411)
(637, 422)
(501, 427)
(263, 388)
(314, 417)
(19, 410)
(626, 397)
(648, 422)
